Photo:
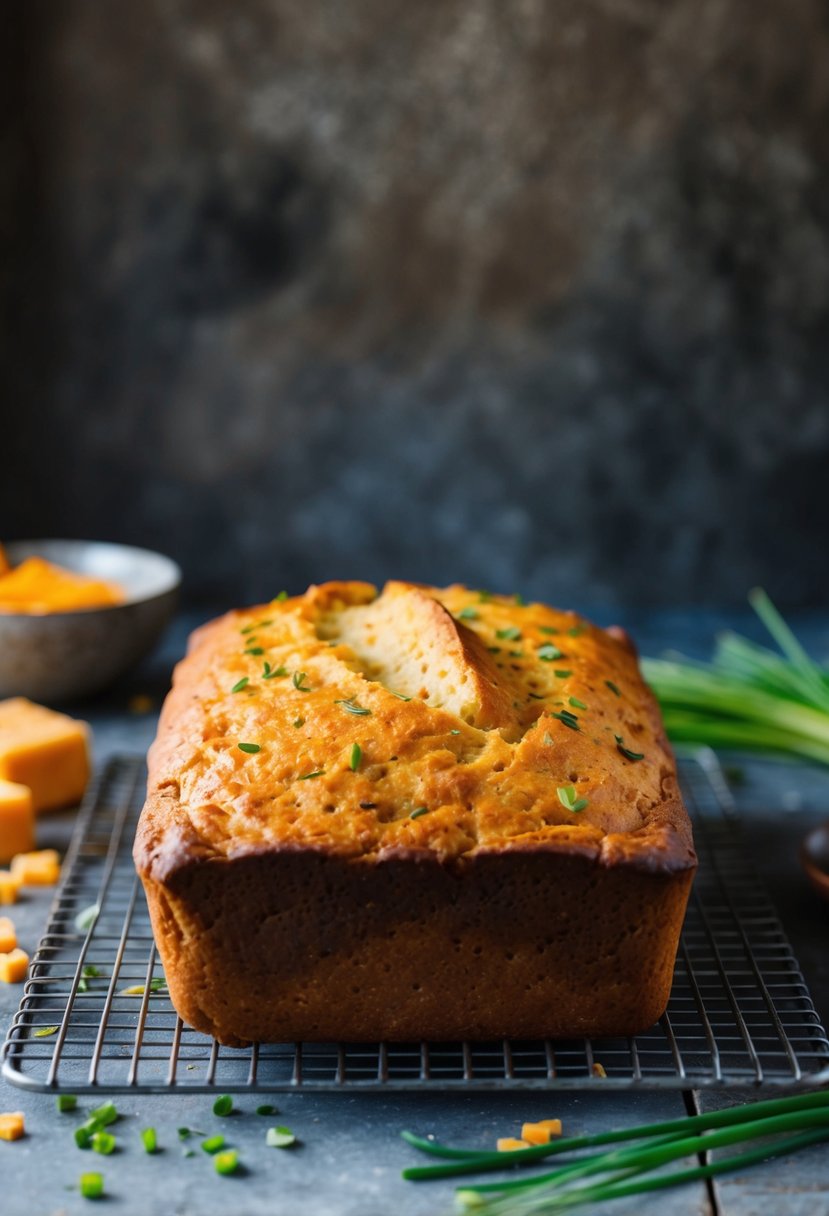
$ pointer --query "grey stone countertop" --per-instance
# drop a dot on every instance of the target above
(351, 1154)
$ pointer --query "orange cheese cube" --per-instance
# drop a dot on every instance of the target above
(38, 869)
(13, 966)
(12, 1126)
(10, 884)
(541, 1132)
(17, 819)
(508, 1144)
(45, 750)
(8, 935)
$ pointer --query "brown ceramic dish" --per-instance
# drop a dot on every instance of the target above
(63, 655)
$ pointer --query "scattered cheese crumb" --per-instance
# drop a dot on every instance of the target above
(598, 1070)
(8, 935)
(508, 1144)
(541, 1132)
(38, 869)
(12, 1126)
(9, 887)
(13, 966)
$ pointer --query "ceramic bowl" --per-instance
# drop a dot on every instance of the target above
(63, 655)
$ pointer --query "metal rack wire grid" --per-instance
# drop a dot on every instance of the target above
(95, 1014)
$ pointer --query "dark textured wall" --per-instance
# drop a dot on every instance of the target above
(529, 293)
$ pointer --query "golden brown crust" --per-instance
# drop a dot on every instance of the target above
(423, 734)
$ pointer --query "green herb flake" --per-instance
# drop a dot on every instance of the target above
(454, 732)
(494, 649)
(568, 798)
(512, 634)
(421, 810)
(567, 719)
(547, 629)
(281, 598)
(66, 1102)
(223, 1105)
(299, 722)
(355, 757)
(298, 679)
(149, 1139)
(273, 673)
(86, 919)
(266, 1109)
(156, 985)
(279, 1137)
(189, 1152)
(468, 614)
(400, 696)
(548, 738)
(88, 973)
(537, 696)
(516, 654)
(576, 631)
(249, 749)
(310, 776)
(240, 684)
(519, 600)
(43, 1032)
(626, 751)
(484, 597)
(351, 707)
(563, 673)
(576, 703)
(254, 650)
(212, 1144)
(613, 688)
(548, 653)
(91, 1185)
(227, 1162)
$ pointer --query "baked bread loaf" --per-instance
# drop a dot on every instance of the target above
(423, 814)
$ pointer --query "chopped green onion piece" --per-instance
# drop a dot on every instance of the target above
(82, 1135)
(630, 755)
(254, 650)
(156, 985)
(548, 653)
(516, 654)
(279, 1137)
(240, 684)
(256, 625)
(356, 757)
(223, 1105)
(468, 614)
(298, 680)
(421, 810)
(149, 1139)
(102, 1116)
(249, 748)
(613, 687)
(86, 919)
(576, 631)
(547, 629)
(351, 707)
(567, 719)
(454, 732)
(568, 798)
(562, 672)
(66, 1102)
(213, 1143)
(43, 1032)
(226, 1162)
(512, 634)
(577, 703)
(92, 1185)
(184, 1133)
(103, 1143)
(266, 1109)
(272, 673)
(319, 772)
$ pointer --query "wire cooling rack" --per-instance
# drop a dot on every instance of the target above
(740, 1013)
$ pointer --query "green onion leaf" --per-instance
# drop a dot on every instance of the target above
(240, 684)
(356, 757)
(250, 749)
(279, 1137)
(223, 1105)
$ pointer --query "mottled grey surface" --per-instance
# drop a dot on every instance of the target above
(530, 293)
